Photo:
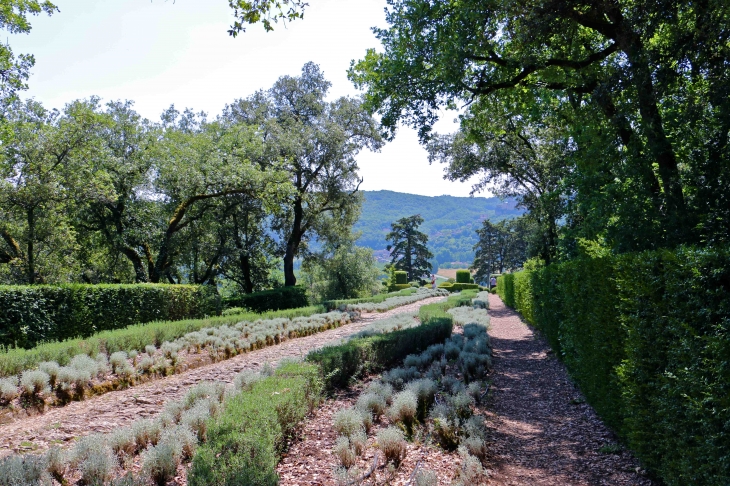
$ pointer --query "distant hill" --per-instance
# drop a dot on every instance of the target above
(450, 222)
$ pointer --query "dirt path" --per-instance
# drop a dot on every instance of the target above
(120, 408)
(543, 432)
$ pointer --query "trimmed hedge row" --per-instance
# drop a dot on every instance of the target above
(246, 441)
(463, 276)
(40, 313)
(647, 338)
(457, 287)
(274, 299)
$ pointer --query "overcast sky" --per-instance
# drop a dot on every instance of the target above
(159, 53)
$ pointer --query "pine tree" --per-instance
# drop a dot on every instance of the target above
(408, 250)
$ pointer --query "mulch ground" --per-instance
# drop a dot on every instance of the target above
(542, 431)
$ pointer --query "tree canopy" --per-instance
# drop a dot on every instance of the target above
(408, 247)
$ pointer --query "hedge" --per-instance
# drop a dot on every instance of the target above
(274, 299)
(463, 276)
(457, 287)
(40, 313)
(647, 338)
(401, 277)
(244, 442)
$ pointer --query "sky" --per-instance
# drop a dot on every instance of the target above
(159, 53)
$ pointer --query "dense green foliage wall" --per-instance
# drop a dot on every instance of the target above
(33, 314)
(647, 338)
(274, 299)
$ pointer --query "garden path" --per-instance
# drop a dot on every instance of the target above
(542, 431)
(116, 409)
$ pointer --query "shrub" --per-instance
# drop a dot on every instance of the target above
(359, 442)
(41, 313)
(274, 299)
(122, 442)
(35, 382)
(463, 276)
(392, 444)
(425, 477)
(476, 447)
(9, 389)
(382, 389)
(372, 403)
(51, 368)
(181, 439)
(344, 452)
(94, 459)
(404, 408)
(159, 463)
(24, 470)
(401, 277)
(56, 461)
(348, 421)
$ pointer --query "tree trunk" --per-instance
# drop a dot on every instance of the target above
(245, 265)
(31, 242)
(292, 244)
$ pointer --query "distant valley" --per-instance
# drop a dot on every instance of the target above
(450, 222)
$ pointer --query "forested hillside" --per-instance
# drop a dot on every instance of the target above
(450, 222)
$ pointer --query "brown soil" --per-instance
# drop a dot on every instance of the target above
(542, 431)
(120, 408)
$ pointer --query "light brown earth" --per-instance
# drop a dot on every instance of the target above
(115, 409)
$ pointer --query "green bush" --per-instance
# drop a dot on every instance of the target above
(457, 287)
(274, 299)
(647, 338)
(40, 313)
(246, 440)
(401, 277)
(463, 276)
(506, 288)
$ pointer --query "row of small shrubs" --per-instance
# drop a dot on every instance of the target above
(133, 338)
(246, 441)
(647, 338)
(60, 384)
(425, 394)
(41, 313)
(395, 301)
(268, 300)
(375, 299)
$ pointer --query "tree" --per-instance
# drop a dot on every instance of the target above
(408, 250)
(501, 246)
(316, 141)
(47, 166)
(14, 71)
(342, 271)
(634, 81)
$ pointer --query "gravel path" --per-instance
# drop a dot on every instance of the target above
(120, 408)
(543, 432)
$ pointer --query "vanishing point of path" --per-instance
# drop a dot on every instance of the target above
(112, 410)
(542, 431)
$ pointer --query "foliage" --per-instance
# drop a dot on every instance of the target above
(408, 250)
(347, 273)
(501, 247)
(375, 299)
(34, 314)
(402, 298)
(594, 107)
(315, 142)
(645, 336)
(274, 299)
(246, 440)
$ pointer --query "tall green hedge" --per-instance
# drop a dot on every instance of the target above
(275, 299)
(647, 338)
(401, 277)
(463, 276)
(40, 313)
